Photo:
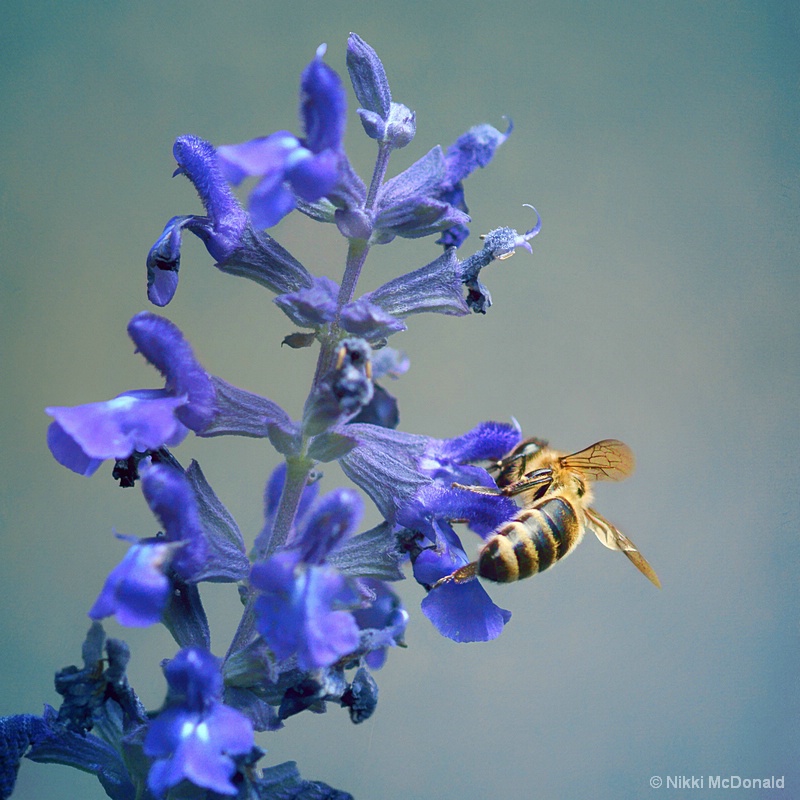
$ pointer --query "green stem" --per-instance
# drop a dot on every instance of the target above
(378, 174)
(357, 251)
(298, 468)
(356, 256)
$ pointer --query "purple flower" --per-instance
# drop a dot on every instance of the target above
(428, 197)
(463, 612)
(287, 166)
(410, 478)
(82, 437)
(200, 542)
(394, 468)
(225, 230)
(304, 610)
(170, 497)
(471, 150)
(304, 607)
(221, 230)
(411, 204)
(196, 736)
(384, 621)
(136, 590)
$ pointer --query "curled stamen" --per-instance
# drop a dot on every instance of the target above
(522, 241)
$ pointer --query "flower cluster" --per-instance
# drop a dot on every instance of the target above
(319, 614)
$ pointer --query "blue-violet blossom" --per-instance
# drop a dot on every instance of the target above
(82, 437)
(195, 737)
(287, 166)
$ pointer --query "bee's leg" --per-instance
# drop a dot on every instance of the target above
(540, 477)
(493, 490)
(461, 575)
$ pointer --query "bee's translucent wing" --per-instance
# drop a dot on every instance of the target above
(614, 539)
(609, 460)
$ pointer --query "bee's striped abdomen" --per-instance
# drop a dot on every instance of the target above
(531, 542)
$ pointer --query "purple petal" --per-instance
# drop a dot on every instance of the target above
(486, 441)
(170, 497)
(164, 734)
(136, 590)
(233, 732)
(68, 452)
(196, 748)
(83, 436)
(279, 609)
(194, 678)
(265, 155)
(464, 612)
(323, 106)
(270, 201)
(163, 345)
(483, 513)
(330, 633)
(197, 160)
(164, 261)
(312, 178)
(301, 610)
(454, 236)
(332, 520)
(221, 231)
(473, 149)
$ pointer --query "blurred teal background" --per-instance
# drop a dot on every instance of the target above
(659, 141)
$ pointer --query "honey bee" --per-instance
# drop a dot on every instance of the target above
(554, 490)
